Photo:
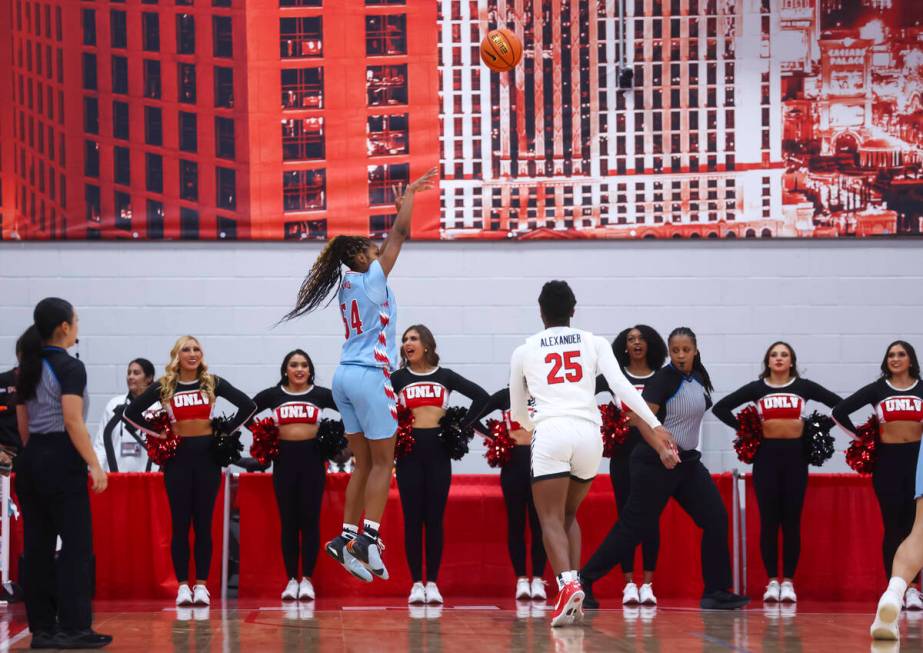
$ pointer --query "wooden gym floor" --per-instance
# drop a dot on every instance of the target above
(473, 626)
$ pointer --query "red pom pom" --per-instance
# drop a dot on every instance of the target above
(265, 447)
(614, 428)
(500, 445)
(161, 449)
(862, 452)
(403, 444)
(749, 434)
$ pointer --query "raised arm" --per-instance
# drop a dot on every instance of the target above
(817, 392)
(724, 409)
(843, 410)
(400, 230)
(245, 405)
(134, 412)
(472, 391)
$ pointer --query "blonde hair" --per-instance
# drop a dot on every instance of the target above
(171, 373)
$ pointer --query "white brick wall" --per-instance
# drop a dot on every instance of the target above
(838, 303)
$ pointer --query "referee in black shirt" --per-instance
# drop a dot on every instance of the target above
(51, 482)
(661, 468)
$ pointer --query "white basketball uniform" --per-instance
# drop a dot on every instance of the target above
(558, 368)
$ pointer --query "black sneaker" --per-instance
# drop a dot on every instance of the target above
(589, 601)
(88, 638)
(722, 600)
(336, 548)
(44, 639)
(368, 552)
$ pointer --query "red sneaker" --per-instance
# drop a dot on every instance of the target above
(567, 605)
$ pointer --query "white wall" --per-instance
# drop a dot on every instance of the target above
(839, 303)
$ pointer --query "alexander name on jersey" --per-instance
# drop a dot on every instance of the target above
(556, 341)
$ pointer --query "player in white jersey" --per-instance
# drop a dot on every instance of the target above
(557, 367)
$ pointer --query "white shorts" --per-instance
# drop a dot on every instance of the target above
(566, 446)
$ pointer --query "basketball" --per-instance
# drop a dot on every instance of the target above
(501, 50)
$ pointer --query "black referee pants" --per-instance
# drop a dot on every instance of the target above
(51, 484)
(652, 485)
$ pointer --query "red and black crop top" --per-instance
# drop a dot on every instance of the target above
(294, 408)
(891, 404)
(774, 401)
(189, 402)
(433, 389)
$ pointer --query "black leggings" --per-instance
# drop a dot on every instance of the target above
(652, 485)
(894, 480)
(780, 478)
(516, 482)
(192, 478)
(620, 475)
(298, 476)
(423, 479)
(51, 483)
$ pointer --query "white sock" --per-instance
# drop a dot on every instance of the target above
(350, 531)
(897, 585)
(370, 528)
(566, 577)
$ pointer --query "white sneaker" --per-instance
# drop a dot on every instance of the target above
(291, 591)
(885, 624)
(772, 591)
(538, 590)
(646, 595)
(630, 594)
(184, 595)
(305, 590)
(522, 589)
(432, 593)
(787, 592)
(200, 595)
(417, 594)
(913, 599)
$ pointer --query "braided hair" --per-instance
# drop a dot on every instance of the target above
(327, 272)
(697, 361)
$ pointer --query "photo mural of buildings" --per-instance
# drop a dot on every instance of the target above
(296, 119)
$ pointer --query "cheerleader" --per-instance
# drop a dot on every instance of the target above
(516, 483)
(780, 469)
(640, 351)
(670, 466)
(192, 476)
(424, 474)
(896, 399)
(362, 386)
(299, 471)
(118, 445)
(51, 482)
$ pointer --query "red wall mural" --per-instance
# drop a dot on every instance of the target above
(293, 119)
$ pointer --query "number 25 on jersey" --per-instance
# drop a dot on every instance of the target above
(353, 321)
(569, 361)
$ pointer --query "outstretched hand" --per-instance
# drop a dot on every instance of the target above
(426, 182)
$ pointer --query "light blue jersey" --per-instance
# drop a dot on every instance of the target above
(369, 313)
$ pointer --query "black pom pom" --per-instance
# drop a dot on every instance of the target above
(455, 436)
(331, 438)
(226, 447)
(818, 443)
